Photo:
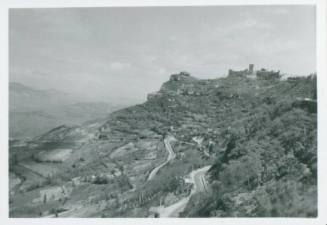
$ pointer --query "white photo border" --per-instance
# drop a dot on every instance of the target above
(321, 28)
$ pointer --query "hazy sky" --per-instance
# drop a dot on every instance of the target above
(110, 54)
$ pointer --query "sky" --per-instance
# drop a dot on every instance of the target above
(122, 54)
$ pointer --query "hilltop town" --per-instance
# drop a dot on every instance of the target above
(241, 145)
(259, 74)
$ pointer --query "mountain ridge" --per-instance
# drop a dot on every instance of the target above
(33, 112)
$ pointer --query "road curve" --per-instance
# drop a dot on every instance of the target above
(197, 178)
(171, 156)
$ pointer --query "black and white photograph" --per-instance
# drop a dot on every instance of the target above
(187, 111)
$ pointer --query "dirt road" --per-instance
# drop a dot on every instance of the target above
(197, 178)
(171, 156)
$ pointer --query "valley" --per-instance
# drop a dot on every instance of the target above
(33, 112)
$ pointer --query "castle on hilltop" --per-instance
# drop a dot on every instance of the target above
(247, 71)
(179, 76)
(259, 74)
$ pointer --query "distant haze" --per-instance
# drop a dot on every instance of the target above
(121, 54)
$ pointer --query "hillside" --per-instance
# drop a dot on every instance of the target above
(258, 137)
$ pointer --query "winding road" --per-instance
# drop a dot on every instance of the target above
(200, 185)
(171, 156)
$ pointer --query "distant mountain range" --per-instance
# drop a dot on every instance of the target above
(33, 112)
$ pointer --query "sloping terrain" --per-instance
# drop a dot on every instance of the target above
(257, 136)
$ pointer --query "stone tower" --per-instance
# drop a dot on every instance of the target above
(251, 66)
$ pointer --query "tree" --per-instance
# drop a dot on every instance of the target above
(44, 198)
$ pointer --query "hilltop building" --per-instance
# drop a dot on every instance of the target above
(251, 73)
(268, 75)
(179, 76)
(251, 67)
(247, 71)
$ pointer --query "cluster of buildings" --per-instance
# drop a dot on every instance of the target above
(259, 74)
(188, 87)
(247, 71)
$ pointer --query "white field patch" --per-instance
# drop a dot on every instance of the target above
(56, 155)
